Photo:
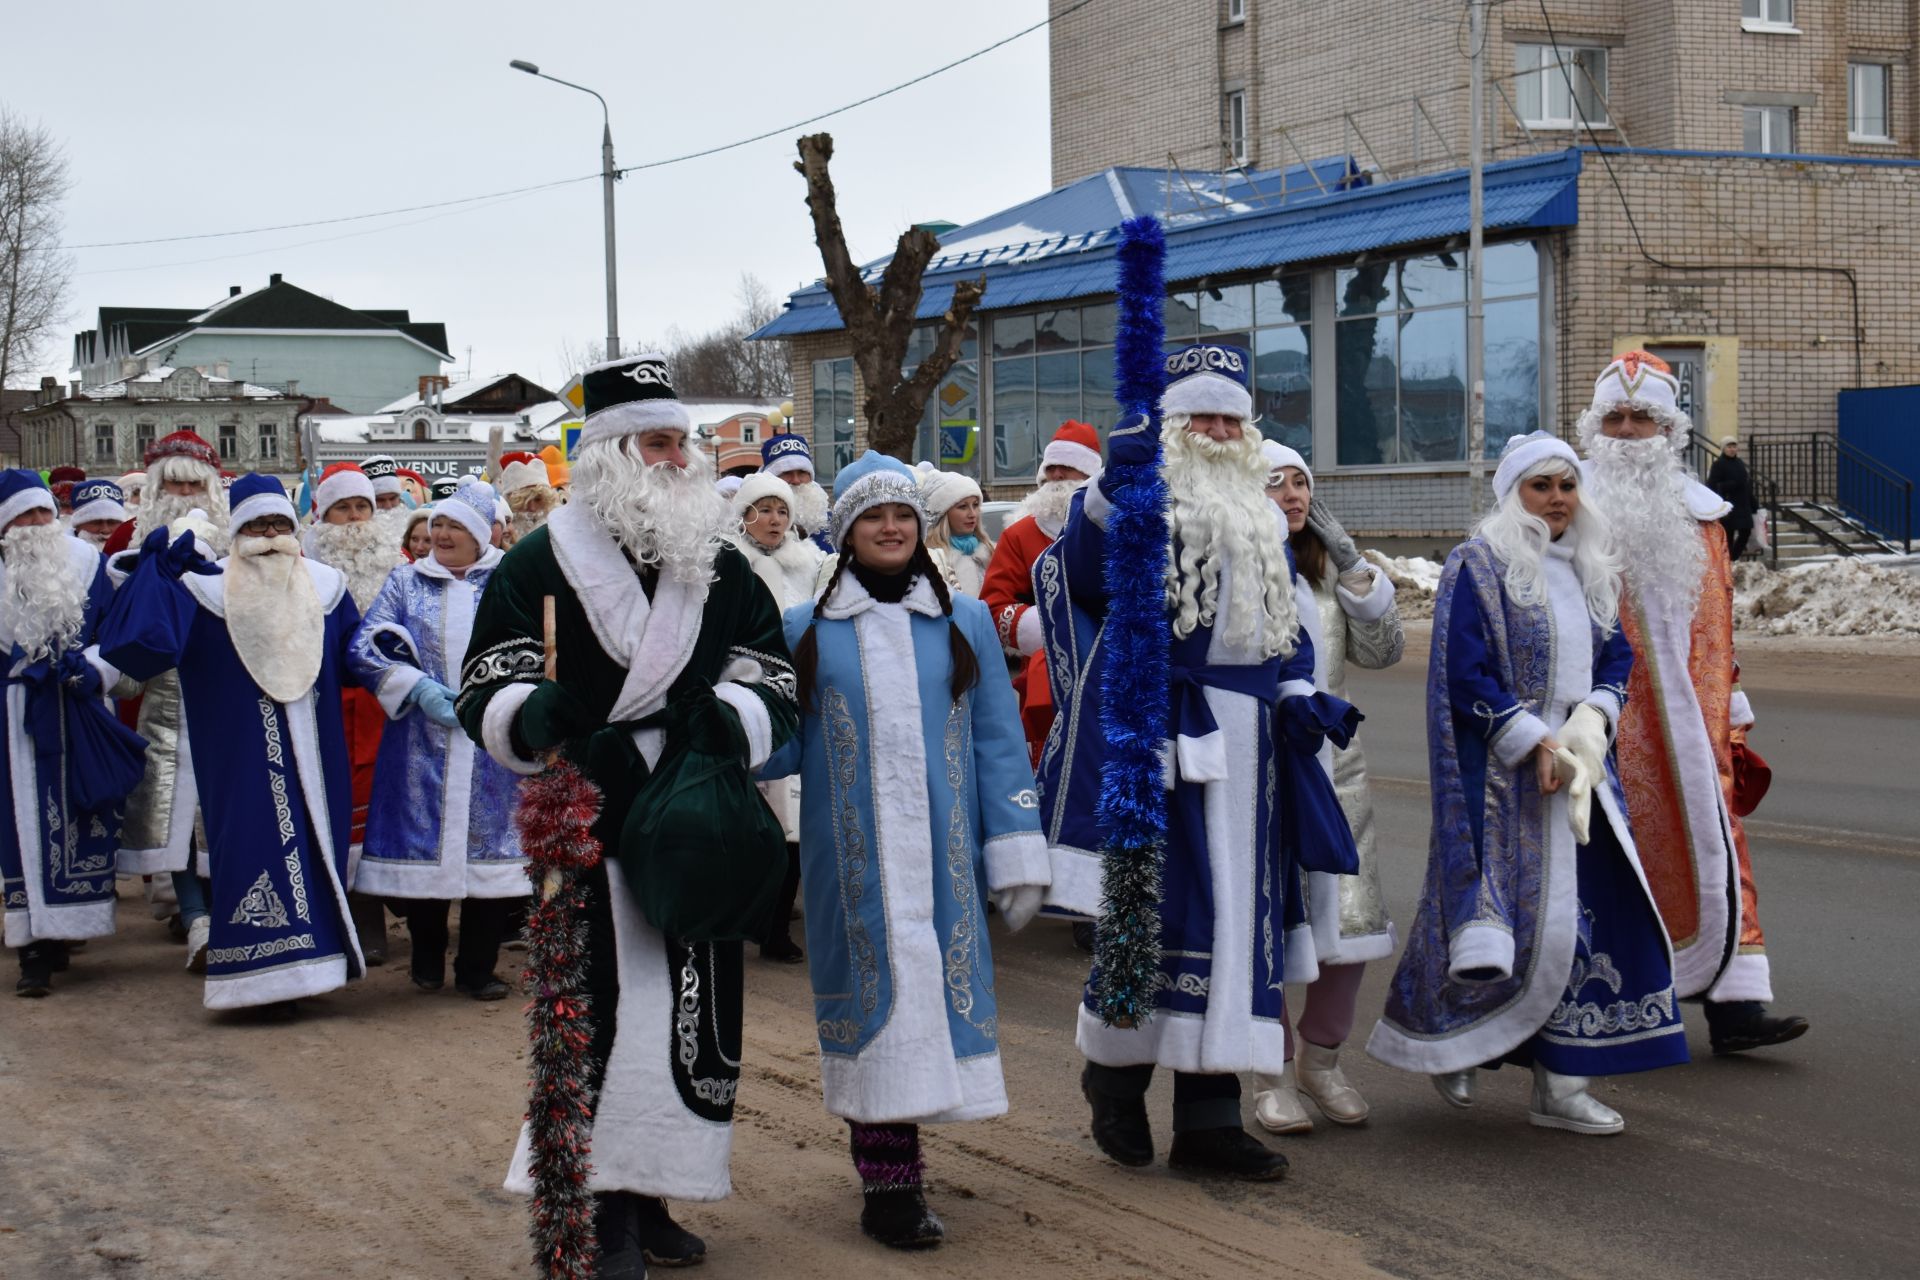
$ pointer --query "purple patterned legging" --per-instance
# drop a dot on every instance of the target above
(1327, 1019)
(887, 1156)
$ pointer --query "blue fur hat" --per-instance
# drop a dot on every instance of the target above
(253, 496)
(783, 453)
(20, 492)
(870, 480)
(1209, 378)
(98, 500)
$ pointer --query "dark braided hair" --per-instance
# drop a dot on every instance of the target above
(964, 664)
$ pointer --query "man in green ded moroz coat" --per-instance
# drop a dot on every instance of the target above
(657, 620)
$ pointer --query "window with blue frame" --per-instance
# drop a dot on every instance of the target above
(1047, 367)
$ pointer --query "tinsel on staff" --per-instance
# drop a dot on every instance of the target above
(1133, 803)
(557, 811)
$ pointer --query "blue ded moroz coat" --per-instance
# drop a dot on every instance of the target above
(1249, 811)
(913, 809)
(441, 820)
(275, 790)
(1526, 946)
(56, 862)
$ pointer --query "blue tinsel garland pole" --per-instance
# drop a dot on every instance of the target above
(1133, 804)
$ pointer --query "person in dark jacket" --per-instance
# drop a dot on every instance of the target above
(1728, 477)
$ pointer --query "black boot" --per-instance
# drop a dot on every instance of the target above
(1231, 1152)
(59, 955)
(1738, 1025)
(1083, 935)
(665, 1242)
(1120, 1126)
(36, 971)
(614, 1228)
(887, 1158)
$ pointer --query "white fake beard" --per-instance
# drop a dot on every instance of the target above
(98, 541)
(1220, 510)
(1637, 483)
(365, 552)
(165, 508)
(1048, 505)
(808, 502)
(394, 521)
(524, 523)
(44, 605)
(273, 616)
(667, 517)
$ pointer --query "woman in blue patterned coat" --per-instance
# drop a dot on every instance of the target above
(440, 828)
(916, 805)
(1536, 941)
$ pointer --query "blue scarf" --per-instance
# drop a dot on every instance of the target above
(965, 543)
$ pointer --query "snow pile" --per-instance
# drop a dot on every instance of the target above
(1415, 582)
(1851, 597)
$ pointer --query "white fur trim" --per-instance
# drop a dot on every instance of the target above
(1017, 858)
(1028, 635)
(788, 462)
(1207, 393)
(1747, 976)
(632, 417)
(1096, 506)
(1517, 738)
(1645, 386)
(944, 489)
(1703, 503)
(338, 487)
(28, 499)
(1370, 606)
(761, 484)
(1075, 885)
(753, 719)
(41, 919)
(1526, 455)
(303, 733)
(1279, 455)
(519, 475)
(259, 505)
(1739, 711)
(495, 728)
(908, 1071)
(1477, 948)
(292, 981)
(1065, 453)
(98, 509)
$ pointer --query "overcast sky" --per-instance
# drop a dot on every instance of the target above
(207, 117)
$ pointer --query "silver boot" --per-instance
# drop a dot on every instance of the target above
(1322, 1080)
(1277, 1105)
(1562, 1102)
(1457, 1086)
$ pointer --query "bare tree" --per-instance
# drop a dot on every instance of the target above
(880, 320)
(33, 271)
(720, 362)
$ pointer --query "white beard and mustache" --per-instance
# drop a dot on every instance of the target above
(164, 508)
(43, 606)
(1220, 511)
(365, 552)
(1049, 503)
(98, 541)
(1638, 484)
(808, 503)
(273, 616)
(665, 517)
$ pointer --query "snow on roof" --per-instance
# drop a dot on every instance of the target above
(146, 386)
(712, 412)
(226, 302)
(544, 419)
(454, 393)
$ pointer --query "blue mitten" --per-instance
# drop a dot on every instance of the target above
(435, 702)
(1134, 441)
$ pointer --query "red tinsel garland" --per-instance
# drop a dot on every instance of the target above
(556, 816)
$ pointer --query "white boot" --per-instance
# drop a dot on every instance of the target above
(1562, 1102)
(1277, 1106)
(1322, 1080)
(1457, 1086)
(197, 934)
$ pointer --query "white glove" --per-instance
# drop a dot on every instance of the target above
(1019, 904)
(1579, 782)
(1585, 734)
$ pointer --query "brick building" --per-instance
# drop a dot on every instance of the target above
(1762, 152)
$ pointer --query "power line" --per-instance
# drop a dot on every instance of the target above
(589, 177)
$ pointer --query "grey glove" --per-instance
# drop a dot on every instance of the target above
(1340, 548)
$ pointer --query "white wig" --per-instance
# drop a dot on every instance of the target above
(1519, 540)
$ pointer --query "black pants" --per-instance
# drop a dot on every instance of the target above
(1199, 1101)
(780, 924)
(482, 929)
(1737, 536)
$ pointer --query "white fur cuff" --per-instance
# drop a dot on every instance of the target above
(1739, 711)
(1517, 738)
(1748, 976)
(1480, 953)
(1097, 506)
(496, 725)
(1373, 604)
(1027, 635)
(1017, 858)
(753, 719)
(395, 685)
(1074, 885)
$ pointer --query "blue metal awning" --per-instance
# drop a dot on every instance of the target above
(1243, 229)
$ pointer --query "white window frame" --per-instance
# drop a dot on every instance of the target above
(1884, 73)
(749, 433)
(1554, 80)
(1768, 115)
(1774, 17)
(268, 436)
(1236, 11)
(220, 440)
(104, 434)
(1234, 103)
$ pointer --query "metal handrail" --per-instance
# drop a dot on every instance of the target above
(1820, 469)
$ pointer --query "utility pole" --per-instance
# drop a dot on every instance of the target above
(1476, 281)
(608, 175)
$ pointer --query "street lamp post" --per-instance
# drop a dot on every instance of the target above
(607, 176)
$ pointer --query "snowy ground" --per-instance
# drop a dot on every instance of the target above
(1878, 596)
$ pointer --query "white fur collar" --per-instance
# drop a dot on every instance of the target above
(210, 590)
(432, 568)
(850, 598)
(792, 555)
(653, 649)
(1702, 502)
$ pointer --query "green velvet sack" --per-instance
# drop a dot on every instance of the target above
(703, 854)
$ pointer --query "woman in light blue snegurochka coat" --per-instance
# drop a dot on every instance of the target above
(917, 803)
